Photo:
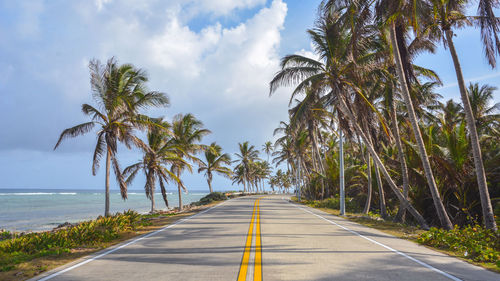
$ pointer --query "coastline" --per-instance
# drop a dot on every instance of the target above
(28, 210)
(15, 269)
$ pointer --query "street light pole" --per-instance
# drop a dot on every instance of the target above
(298, 181)
(341, 172)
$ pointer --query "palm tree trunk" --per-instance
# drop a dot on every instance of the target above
(152, 199)
(381, 166)
(209, 185)
(383, 208)
(401, 215)
(488, 217)
(369, 186)
(179, 190)
(438, 204)
(106, 193)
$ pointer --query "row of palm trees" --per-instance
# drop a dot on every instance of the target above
(364, 83)
(251, 171)
(169, 148)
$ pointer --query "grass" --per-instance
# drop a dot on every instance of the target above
(23, 256)
(472, 244)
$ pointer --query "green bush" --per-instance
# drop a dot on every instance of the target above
(4, 234)
(471, 242)
(213, 196)
(334, 203)
(15, 249)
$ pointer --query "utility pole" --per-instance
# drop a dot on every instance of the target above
(298, 181)
(341, 172)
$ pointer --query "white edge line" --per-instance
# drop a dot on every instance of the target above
(382, 245)
(127, 244)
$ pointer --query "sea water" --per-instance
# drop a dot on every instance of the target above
(44, 209)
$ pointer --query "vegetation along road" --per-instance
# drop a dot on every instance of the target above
(268, 238)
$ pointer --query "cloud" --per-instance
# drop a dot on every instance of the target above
(100, 4)
(220, 73)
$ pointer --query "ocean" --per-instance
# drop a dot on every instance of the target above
(44, 209)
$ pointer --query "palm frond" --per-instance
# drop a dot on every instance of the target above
(75, 131)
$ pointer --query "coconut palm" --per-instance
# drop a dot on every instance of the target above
(214, 163)
(450, 14)
(486, 116)
(187, 132)
(267, 148)
(337, 72)
(158, 152)
(119, 92)
(247, 155)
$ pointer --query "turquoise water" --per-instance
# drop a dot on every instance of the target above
(44, 209)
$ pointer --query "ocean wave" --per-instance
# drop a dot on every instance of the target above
(36, 193)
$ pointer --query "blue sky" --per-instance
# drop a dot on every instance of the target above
(213, 58)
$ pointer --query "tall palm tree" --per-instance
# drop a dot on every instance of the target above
(450, 14)
(267, 148)
(157, 153)
(400, 11)
(246, 157)
(119, 91)
(337, 73)
(187, 132)
(214, 162)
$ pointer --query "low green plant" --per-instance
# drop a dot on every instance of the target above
(471, 242)
(334, 203)
(19, 248)
(4, 234)
(213, 196)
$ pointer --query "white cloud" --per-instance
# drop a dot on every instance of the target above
(220, 7)
(100, 4)
(308, 53)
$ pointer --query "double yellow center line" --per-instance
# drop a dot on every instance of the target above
(257, 274)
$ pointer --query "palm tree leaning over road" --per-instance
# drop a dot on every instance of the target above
(248, 154)
(157, 153)
(392, 12)
(187, 132)
(215, 162)
(119, 92)
(336, 73)
(450, 14)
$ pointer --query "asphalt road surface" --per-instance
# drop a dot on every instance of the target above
(267, 238)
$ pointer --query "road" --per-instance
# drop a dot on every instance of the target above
(269, 238)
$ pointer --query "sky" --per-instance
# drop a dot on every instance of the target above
(213, 58)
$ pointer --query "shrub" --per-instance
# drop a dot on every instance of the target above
(472, 242)
(334, 203)
(103, 229)
(4, 234)
(213, 196)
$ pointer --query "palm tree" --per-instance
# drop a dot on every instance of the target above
(267, 148)
(448, 15)
(337, 73)
(157, 152)
(119, 92)
(248, 154)
(396, 12)
(215, 162)
(187, 132)
(484, 114)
